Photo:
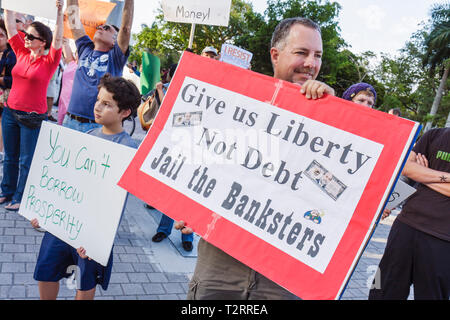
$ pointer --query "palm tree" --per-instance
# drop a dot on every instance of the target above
(437, 44)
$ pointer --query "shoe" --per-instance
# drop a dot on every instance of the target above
(160, 236)
(187, 245)
(13, 206)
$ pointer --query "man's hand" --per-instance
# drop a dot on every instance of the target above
(386, 214)
(314, 89)
(422, 160)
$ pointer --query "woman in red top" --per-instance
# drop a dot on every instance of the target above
(27, 101)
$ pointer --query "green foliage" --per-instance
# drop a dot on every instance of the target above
(408, 81)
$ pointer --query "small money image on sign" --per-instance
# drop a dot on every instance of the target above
(187, 119)
(325, 180)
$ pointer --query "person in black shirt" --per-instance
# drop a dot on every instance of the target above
(418, 247)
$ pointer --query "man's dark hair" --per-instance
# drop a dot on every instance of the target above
(44, 32)
(396, 112)
(284, 27)
(124, 92)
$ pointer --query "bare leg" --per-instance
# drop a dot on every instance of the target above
(85, 295)
(48, 290)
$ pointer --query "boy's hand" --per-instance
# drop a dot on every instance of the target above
(82, 253)
(180, 225)
(35, 223)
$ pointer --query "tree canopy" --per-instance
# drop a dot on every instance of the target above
(413, 80)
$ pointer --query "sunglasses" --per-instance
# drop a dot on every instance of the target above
(104, 27)
(30, 37)
(19, 21)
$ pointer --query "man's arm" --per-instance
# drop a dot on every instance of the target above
(124, 36)
(73, 13)
(442, 188)
(422, 174)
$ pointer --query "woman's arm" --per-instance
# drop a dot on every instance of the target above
(59, 29)
(10, 23)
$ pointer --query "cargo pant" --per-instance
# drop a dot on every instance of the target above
(218, 276)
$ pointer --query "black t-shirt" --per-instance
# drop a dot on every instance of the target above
(428, 210)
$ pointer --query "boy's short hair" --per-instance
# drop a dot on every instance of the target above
(124, 91)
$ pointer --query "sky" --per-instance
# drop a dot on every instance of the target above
(375, 25)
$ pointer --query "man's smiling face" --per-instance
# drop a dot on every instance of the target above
(299, 57)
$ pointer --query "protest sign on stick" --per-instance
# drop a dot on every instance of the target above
(92, 14)
(235, 55)
(42, 8)
(401, 192)
(72, 188)
(289, 186)
(216, 13)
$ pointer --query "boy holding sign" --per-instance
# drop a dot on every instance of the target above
(117, 99)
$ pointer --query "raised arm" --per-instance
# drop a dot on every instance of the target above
(422, 174)
(124, 36)
(59, 29)
(10, 23)
(73, 13)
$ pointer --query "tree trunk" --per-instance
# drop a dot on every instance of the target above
(447, 125)
(438, 97)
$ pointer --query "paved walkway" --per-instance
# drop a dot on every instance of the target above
(142, 269)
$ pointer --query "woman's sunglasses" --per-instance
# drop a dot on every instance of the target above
(30, 37)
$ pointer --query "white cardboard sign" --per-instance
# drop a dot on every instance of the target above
(235, 55)
(42, 8)
(207, 12)
(401, 192)
(72, 188)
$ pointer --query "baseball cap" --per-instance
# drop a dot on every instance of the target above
(210, 49)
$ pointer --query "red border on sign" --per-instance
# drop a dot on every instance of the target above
(392, 132)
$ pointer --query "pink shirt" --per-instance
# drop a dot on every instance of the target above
(66, 89)
(31, 78)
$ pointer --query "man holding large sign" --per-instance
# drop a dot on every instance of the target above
(217, 274)
(284, 188)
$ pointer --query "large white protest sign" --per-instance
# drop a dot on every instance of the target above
(401, 192)
(42, 8)
(207, 12)
(325, 187)
(72, 188)
(235, 55)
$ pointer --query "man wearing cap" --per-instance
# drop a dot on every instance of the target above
(361, 93)
(209, 52)
(296, 54)
(107, 53)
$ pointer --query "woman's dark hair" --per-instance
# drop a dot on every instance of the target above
(124, 92)
(44, 32)
(2, 26)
